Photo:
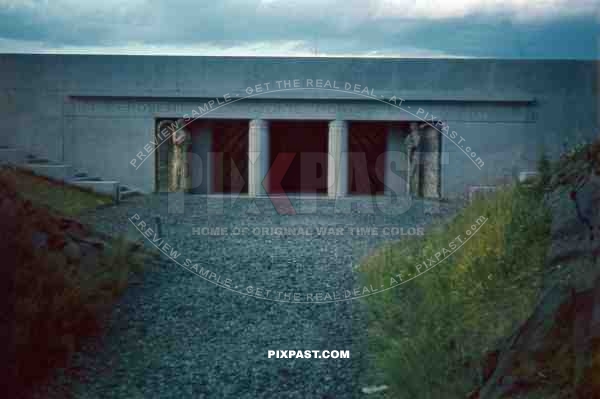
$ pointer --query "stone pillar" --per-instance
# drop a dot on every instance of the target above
(201, 161)
(337, 170)
(431, 162)
(258, 156)
(397, 167)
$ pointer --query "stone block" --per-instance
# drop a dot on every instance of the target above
(474, 192)
(527, 176)
(109, 188)
(51, 171)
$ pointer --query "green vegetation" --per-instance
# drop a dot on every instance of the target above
(430, 333)
(59, 198)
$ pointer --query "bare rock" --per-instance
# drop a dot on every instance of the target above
(8, 207)
(374, 389)
(562, 336)
(39, 239)
(489, 364)
(532, 347)
(56, 242)
(72, 251)
(90, 241)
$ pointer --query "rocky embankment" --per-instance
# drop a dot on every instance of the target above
(58, 278)
(555, 353)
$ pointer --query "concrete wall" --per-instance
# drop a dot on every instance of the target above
(98, 112)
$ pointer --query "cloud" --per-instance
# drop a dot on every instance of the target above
(262, 49)
(519, 10)
(393, 28)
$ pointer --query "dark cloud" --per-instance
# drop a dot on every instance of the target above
(335, 27)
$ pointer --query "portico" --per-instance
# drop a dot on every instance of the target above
(333, 158)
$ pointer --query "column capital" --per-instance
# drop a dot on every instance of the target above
(259, 124)
(338, 124)
(417, 127)
(430, 131)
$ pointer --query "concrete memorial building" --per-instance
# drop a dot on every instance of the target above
(328, 126)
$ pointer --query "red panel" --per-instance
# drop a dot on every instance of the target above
(230, 161)
(367, 143)
(306, 141)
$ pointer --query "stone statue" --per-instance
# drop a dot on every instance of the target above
(412, 142)
(178, 158)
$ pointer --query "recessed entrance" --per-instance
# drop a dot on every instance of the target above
(220, 145)
(367, 142)
(230, 158)
(306, 142)
(295, 157)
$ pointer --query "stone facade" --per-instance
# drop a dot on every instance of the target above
(99, 113)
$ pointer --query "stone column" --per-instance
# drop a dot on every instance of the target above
(258, 156)
(431, 162)
(337, 170)
(201, 161)
(397, 167)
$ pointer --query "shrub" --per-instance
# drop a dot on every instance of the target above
(429, 333)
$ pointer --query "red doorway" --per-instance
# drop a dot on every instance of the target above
(230, 155)
(307, 140)
(367, 142)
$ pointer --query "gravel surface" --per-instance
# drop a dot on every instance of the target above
(175, 334)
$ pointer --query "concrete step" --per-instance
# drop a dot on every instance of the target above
(12, 156)
(30, 158)
(50, 170)
(79, 175)
(477, 191)
(127, 192)
(103, 187)
(38, 161)
(85, 178)
(63, 172)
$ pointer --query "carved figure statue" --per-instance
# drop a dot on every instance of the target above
(412, 142)
(178, 159)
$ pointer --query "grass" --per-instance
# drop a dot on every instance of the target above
(56, 196)
(57, 300)
(430, 334)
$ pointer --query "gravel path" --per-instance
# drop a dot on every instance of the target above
(177, 335)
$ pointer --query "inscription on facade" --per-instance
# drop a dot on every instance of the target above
(301, 109)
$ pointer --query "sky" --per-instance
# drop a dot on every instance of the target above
(535, 29)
